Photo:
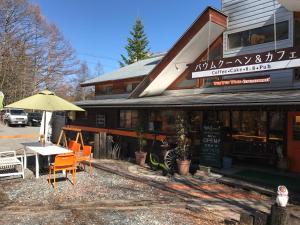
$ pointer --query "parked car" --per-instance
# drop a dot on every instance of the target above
(34, 119)
(14, 117)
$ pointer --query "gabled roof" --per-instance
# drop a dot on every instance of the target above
(140, 68)
(202, 33)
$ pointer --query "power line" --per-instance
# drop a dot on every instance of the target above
(98, 56)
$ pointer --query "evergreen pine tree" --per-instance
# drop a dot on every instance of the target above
(137, 47)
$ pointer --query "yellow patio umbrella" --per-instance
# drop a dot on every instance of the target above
(45, 101)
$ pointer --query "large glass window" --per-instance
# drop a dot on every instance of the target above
(249, 125)
(297, 75)
(259, 35)
(128, 118)
(276, 126)
(297, 32)
(196, 118)
(296, 128)
(162, 121)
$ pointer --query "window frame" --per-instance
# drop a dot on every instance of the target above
(123, 124)
(254, 26)
(249, 31)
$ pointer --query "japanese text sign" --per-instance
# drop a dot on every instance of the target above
(266, 61)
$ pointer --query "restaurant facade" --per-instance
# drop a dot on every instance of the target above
(234, 70)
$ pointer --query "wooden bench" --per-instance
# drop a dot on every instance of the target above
(8, 163)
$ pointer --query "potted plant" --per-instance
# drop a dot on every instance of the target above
(140, 155)
(183, 143)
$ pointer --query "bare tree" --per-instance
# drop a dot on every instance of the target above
(83, 93)
(33, 53)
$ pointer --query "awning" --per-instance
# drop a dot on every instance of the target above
(266, 98)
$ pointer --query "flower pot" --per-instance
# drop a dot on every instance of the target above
(140, 158)
(227, 162)
(183, 166)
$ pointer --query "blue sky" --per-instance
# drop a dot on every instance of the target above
(98, 30)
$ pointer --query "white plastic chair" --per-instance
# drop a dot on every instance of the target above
(8, 161)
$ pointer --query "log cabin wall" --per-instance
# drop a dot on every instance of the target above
(116, 86)
(88, 118)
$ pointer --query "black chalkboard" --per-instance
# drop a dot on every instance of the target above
(211, 145)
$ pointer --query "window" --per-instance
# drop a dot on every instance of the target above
(108, 90)
(187, 83)
(297, 32)
(296, 128)
(163, 121)
(249, 123)
(134, 85)
(128, 118)
(276, 126)
(297, 75)
(259, 35)
(129, 87)
(100, 120)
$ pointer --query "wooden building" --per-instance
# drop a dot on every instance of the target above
(230, 67)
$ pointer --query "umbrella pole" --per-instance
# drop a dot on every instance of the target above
(45, 126)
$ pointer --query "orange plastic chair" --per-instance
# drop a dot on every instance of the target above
(70, 144)
(62, 162)
(86, 156)
(75, 147)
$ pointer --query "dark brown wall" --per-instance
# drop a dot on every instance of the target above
(111, 116)
(118, 86)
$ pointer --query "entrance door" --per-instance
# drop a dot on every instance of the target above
(293, 141)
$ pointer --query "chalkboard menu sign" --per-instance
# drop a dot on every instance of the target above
(211, 145)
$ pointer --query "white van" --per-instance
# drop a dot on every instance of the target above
(14, 117)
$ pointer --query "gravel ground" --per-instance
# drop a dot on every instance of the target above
(102, 186)
(104, 198)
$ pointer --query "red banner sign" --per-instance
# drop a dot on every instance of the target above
(243, 81)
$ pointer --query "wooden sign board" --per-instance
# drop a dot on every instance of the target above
(211, 147)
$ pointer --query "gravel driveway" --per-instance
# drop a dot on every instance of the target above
(14, 144)
(104, 198)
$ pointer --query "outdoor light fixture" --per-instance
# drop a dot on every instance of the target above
(177, 65)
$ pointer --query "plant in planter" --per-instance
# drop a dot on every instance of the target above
(140, 155)
(183, 143)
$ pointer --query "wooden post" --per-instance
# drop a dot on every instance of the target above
(60, 136)
(279, 215)
(246, 219)
(260, 218)
(96, 146)
(102, 145)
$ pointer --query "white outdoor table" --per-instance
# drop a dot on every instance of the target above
(46, 150)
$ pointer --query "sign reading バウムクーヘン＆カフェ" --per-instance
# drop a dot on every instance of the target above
(266, 61)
